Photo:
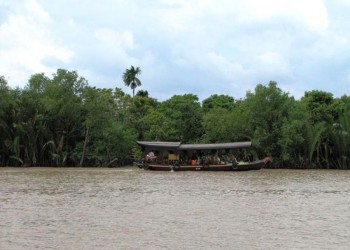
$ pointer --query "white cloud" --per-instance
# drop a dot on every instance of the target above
(273, 63)
(312, 13)
(203, 46)
(26, 41)
(193, 16)
(222, 65)
(37, 11)
(114, 39)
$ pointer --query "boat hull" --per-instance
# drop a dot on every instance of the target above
(255, 165)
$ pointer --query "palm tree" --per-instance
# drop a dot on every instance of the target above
(341, 139)
(130, 79)
(314, 139)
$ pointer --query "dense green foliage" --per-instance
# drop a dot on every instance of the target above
(62, 121)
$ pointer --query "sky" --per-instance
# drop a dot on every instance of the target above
(202, 47)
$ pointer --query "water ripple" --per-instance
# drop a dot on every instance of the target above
(134, 209)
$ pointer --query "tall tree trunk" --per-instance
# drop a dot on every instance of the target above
(61, 143)
(318, 153)
(86, 140)
(326, 154)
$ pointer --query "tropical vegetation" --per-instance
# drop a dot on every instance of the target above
(63, 121)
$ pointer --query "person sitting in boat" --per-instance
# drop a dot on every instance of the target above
(199, 161)
(150, 156)
(234, 160)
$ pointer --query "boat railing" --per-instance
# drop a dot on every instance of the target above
(174, 159)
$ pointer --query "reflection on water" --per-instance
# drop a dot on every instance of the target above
(129, 208)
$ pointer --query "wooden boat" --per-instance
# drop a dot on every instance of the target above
(174, 156)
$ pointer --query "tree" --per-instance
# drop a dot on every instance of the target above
(7, 103)
(320, 106)
(63, 102)
(106, 140)
(130, 78)
(218, 101)
(157, 127)
(142, 105)
(27, 126)
(295, 136)
(268, 109)
(217, 124)
(341, 137)
(323, 112)
(221, 121)
(142, 93)
(185, 115)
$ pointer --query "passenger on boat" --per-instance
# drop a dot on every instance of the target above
(150, 156)
(234, 158)
(193, 161)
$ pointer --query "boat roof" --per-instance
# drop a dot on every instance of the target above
(179, 146)
(228, 145)
(159, 144)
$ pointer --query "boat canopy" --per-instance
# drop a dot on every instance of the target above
(160, 144)
(179, 146)
(229, 145)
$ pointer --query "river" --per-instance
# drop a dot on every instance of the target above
(129, 208)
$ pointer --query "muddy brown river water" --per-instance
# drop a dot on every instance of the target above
(129, 208)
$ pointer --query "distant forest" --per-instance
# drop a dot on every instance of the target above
(62, 121)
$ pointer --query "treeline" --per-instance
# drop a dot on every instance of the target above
(62, 121)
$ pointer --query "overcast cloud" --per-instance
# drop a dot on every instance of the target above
(202, 47)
